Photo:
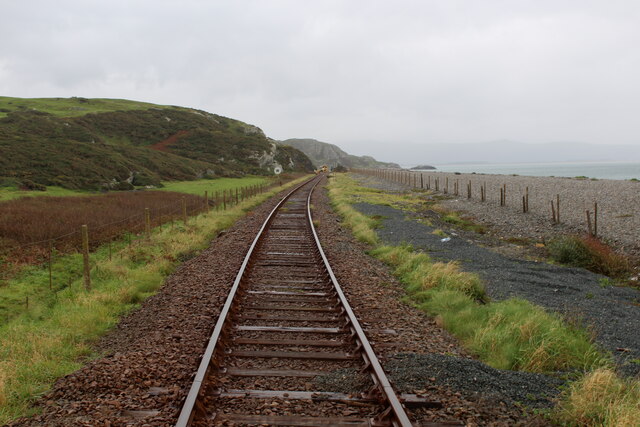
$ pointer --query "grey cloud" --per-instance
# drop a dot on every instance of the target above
(371, 76)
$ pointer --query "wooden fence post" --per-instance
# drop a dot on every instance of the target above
(558, 208)
(595, 219)
(147, 223)
(206, 200)
(85, 257)
(184, 210)
(50, 260)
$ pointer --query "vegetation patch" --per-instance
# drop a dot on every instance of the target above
(54, 334)
(511, 334)
(590, 253)
(601, 398)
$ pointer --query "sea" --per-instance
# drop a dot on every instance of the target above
(599, 170)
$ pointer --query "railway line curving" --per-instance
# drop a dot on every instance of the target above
(285, 321)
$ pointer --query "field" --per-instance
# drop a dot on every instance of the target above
(12, 192)
(198, 187)
(35, 221)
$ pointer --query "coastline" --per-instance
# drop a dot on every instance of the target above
(618, 205)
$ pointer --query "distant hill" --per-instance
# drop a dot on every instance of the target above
(103, 143)
(323, 153)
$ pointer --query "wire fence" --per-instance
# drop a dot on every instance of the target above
(21, 240)
(503, 195)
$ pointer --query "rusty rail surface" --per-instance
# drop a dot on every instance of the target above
(286, 271)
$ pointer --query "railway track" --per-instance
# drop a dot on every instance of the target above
(286, 322)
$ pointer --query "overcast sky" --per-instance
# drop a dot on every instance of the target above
(374, 77)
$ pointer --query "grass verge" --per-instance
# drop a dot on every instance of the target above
(52, 337)
(511, 334)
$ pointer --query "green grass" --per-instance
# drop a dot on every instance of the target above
(71, 107)
(198, 187)
(53, 337)
(10, 193)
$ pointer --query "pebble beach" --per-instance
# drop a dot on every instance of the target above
(618, 205)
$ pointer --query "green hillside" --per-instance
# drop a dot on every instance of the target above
(71, 107)
(114, 144)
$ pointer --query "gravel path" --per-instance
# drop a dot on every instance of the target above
(612, 312)
(618, 205)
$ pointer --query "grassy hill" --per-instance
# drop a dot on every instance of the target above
(102, 143)
(323, 153)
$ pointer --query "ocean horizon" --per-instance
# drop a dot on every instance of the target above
(598, 170)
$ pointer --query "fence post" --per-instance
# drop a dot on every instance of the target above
(85, 257)
(595, 219)
(50, 272)
(147, 223)
(206, 200)
(184, 210)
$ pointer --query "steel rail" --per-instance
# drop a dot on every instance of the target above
(188, 409)
(394, 412)
(377, 373)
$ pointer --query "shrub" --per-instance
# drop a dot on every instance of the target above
(590, 253)
(27, 184)
(143, 179)
(123, 186)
